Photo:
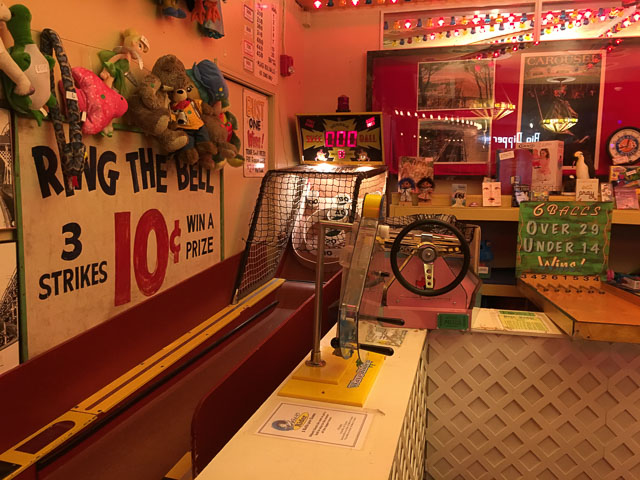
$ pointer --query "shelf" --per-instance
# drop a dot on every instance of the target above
(583, 308)
(8, 235)
(498, 290)
(505, 213)
(494, 214)
(626, 217)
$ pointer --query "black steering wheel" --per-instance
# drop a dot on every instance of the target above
(428, 251)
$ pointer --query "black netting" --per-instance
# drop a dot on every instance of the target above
(289, 206)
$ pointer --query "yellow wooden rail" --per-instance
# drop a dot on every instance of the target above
(27, 452)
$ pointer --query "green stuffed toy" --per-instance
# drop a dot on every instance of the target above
(33, 63)
(222, 124)
(231, 123)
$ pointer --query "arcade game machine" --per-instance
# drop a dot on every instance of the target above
(362, 369)
(415, 275)
(340, 162)
(423, 266)
(410, 272)
(406, 271)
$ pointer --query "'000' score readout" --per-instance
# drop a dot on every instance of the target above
(341, 138)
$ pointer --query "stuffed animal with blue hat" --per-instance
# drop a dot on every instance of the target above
(222, 124)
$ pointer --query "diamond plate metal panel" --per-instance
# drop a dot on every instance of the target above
(508, 407)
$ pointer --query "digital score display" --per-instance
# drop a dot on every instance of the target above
(341, 138)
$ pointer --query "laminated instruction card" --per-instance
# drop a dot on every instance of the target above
(327, 426)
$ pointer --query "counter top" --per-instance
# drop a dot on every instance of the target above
(249, 455)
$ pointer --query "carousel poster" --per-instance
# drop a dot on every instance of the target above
(561, 99)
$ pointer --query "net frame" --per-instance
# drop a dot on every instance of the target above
(290, 203)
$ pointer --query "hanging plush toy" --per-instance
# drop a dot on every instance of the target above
(9, 66)
(170, 8)
(187, 114)
(33, 63)
(72, 153)
(116, 63)
(150, 109)
(220, 122)
(99, 103)
(208, 14)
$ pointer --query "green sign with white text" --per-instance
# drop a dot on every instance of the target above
(569, 238)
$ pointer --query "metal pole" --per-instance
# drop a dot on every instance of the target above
(316, 360)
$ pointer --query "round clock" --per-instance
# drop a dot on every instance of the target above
(624, 146)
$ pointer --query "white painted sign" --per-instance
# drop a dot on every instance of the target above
(256, 133)
(139, 224)
(266, 40)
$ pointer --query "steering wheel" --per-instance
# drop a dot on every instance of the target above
(428, 247)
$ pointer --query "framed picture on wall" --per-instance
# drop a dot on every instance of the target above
(7, 195)
(455, 140)
(8, 307)
(561, 98)
(456, 85)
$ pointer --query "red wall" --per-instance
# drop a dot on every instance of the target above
(393, 80)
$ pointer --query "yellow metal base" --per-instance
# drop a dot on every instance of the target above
(331, 373)
(352, 387)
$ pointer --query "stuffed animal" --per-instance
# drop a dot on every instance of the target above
(220, 122)
(72, 151)
(116, 62)
(9, 66)
(149, 109)
(100, 103)
(187, 115)
(170, 8)
(208, 14)
(33, 63)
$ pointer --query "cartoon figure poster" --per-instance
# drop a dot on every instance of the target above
(561, 98)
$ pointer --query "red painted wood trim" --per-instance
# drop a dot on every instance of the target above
(41, 389)
(253, 381)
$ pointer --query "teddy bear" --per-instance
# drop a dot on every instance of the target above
(187, 115)
(149, 108)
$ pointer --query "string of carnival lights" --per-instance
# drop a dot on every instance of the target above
(554, 22)
(442, 118)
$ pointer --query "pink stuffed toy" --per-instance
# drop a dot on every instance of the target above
(100, 103)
